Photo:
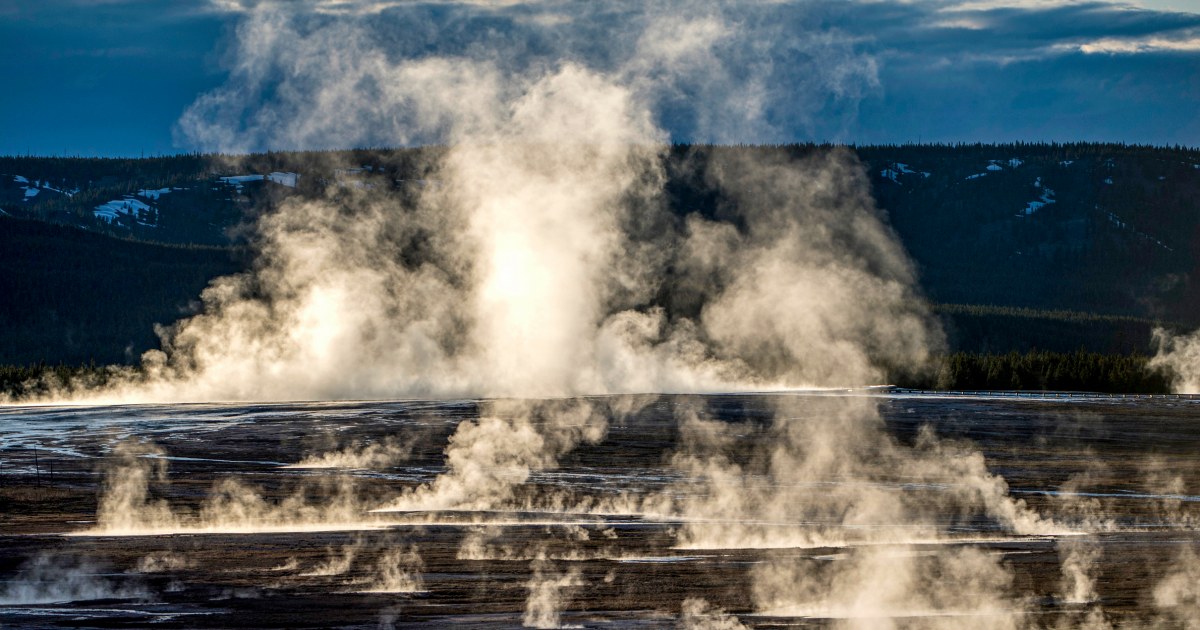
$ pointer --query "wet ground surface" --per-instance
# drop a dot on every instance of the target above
(1124, 474)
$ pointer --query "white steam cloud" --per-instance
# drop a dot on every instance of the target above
(874, 587)
(540, 258)
(126, 506)
(1079, 559)
(488, 460)
(830, 475)
(1179, 357)
(397, 571)
(697, 614)
(385, 453)
(549, 591)
(336, 562)
(161, 562)
(1177, 596)
(50, 578)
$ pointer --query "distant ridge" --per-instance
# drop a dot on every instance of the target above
(1022, 246)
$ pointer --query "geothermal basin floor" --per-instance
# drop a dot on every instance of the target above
(583, 535)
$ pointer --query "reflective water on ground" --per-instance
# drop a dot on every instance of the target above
(858, 509)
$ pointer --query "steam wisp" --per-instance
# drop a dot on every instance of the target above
(548, 591)
(127, 509)
(52, 578)
(382, 454)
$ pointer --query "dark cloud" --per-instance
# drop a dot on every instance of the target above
(1054, 24)
(1021, 74)
(815, 69)
(101, 13)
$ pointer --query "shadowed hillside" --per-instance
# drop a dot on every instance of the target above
(74, 296)
(1023, 246)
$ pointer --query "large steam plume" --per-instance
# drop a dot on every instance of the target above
(1179, 357)
(539, 256)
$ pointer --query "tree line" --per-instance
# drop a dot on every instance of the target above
(1040, 370)
(1036, 370)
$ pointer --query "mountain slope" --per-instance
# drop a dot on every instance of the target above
(74, 296)
(1025, 246)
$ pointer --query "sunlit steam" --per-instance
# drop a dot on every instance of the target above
(1178, 356)
(397, 571)
(549, 591)
(1178, 594)
(127, 509)
(162, 562)
(337, 562)
(382, 454)
(489, 459)
(541, 258)
(537, 255)
(874, 587)
(1078, 567)
(831, 477)
(697, 614)
(125, 502)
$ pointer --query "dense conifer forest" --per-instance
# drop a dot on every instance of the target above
(75, 297)
(1040, 370)
(1048, 264)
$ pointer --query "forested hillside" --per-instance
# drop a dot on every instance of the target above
(188, 199)
(1097, 228)
(1021, 247)
(75, 297)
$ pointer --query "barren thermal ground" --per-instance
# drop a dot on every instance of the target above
(847, 509)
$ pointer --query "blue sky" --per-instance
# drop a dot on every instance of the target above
(113, 77)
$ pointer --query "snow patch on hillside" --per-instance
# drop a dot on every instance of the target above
(895, 170)
(1046, 199)
(32, 189)
(1121, 223)
(128, 207)
(284, 179)
(237, 181)
(69, 193)
(155, 194)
